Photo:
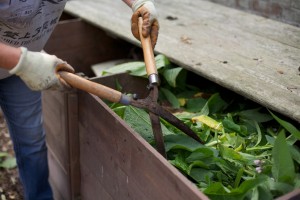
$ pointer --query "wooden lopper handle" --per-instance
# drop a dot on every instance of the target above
(91, 87)
(148, 51)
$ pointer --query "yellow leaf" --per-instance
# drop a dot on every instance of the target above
(182, 101)
(239, 148)
(210, 122)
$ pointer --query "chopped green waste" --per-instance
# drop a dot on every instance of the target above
(249, 152)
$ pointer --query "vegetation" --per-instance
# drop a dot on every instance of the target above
(249, 152)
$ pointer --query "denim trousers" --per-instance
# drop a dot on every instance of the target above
(23, 113)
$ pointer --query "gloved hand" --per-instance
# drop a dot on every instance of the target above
(146, 10)
(39, 70)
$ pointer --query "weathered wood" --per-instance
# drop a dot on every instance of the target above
(61, 125)
(82, 45)
(251, 55)
(124, 164)
(57, 141)
(74, 146)
(58, 178)
(294, 195)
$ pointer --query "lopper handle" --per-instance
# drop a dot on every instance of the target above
(91, 87)
(148, 51)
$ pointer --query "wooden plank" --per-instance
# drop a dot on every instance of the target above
(55, 123)
(121, 158)
(251, 55)
(82, 45)
(90, 188)
(100, 169)
(58, 178)
(61, 124)
(294, 195)
(74, 146)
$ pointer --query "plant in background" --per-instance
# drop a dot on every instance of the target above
(249, 152)
(6, 161)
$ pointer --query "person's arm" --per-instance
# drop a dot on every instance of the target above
(9, 56)
(38, 70)
(129, 2)
(146, 10)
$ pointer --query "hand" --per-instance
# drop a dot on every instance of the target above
(146, 10)
(39, 70)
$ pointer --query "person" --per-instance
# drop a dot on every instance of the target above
(25, 26)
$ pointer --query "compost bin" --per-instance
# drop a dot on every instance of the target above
(93, 154)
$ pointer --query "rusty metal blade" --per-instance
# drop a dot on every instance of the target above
(166, 115)
(155, 122)
(158, 135)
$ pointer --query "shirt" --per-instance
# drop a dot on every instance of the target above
(28, 23)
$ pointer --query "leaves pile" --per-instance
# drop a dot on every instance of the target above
(248, 152)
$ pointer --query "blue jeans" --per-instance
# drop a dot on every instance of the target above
(23, 112)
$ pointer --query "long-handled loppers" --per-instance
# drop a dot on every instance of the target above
(149, 103)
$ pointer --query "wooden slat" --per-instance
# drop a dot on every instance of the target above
(58, 178)
(74, 146)
(82, 45)
(61, 124)
(90, 188)
(251, 55)
(55, 122)
(122, 162)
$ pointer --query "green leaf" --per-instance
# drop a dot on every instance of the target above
(3, 154)
(125, 67)
(180, 163)
(259, 134)
(283, 168)
(180, 141)
(230, 125)
(215, 104)
(161, 61)
(288, 126)
(255, 114)
(120, 110)
(170, 97)
(171, 75)
(136, 68)
(263, 193)
(231, 155)
(279, 188)
(217, 191)
(202, 153)
(9, 163)
(195, 105)
(200, 174)
(139, 120)
(295, 152)
(238, 177)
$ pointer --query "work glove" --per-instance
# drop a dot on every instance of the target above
(146, 10)
(39, 70)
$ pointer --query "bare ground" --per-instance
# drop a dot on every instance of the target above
(10, 186)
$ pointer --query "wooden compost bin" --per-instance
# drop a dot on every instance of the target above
(93, 154)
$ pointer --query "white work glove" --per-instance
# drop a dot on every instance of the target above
(146, 10)
(39, 70)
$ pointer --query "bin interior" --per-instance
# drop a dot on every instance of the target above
(83, 45)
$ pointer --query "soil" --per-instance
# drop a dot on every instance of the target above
(10, 186)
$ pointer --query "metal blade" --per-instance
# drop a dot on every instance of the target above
(158, 135)
(155, 108)
(155, 122)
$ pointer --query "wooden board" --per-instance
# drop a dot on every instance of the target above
(56, 119)
(117, 163)
(82, 45)
(250, 55)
